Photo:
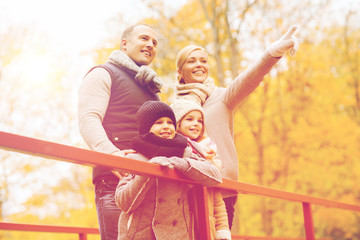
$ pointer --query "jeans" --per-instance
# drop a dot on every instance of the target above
(107, 211)
(230, 208)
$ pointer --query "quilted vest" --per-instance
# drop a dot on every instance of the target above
(120, 118)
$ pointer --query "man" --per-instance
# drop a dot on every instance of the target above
(109, 98)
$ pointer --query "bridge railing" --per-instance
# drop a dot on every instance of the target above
(80, 231)
(56, 151)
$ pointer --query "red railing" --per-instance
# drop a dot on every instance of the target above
(86, 157)
(82, 232)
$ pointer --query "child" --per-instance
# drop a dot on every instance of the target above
(154, 208)
(190, 122)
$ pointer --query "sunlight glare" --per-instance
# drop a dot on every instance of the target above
(36, 69)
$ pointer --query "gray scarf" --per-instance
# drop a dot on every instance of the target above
(197, 92)
(144, 75)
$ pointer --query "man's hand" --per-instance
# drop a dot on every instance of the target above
(122, 153)
(285, 43)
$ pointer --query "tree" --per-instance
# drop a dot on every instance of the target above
(281, 125)
(37, 89)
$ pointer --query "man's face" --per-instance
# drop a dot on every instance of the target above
(141, 45)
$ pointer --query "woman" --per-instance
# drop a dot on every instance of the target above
(219, 103)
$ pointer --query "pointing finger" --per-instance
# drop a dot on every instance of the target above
(295, 47)
(290, 32)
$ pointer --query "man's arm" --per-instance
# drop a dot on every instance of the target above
(94, 96)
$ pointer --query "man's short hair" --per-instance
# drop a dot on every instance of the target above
(127, 32)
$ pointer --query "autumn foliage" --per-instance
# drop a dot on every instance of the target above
(299, 131)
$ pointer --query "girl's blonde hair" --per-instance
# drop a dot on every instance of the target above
(182, 56)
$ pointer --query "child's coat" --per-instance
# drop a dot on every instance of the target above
(158, 209)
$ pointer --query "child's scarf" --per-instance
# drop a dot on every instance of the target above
(151, 145)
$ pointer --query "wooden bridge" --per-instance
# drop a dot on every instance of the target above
(55, 151)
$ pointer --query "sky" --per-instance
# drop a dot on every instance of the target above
(61, 29)
(67, 28)
(78, 23)
(63, 35)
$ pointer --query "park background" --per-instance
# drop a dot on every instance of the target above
(299, 131)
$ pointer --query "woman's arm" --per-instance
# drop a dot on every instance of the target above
(220, 214)
(246, 82)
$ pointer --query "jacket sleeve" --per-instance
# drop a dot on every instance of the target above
(94, 95)
(220, 214)
(131, 191)
(247, 81)
(200, 170)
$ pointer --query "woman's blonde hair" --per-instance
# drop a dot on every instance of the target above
(182, 56)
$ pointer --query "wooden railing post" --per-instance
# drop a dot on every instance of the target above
(56, 151)
(308, 222)
(82, 236)
(203, 212)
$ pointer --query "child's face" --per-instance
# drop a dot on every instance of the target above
(191, 125)
(164, 128)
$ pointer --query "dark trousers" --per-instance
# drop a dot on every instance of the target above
(107, 211)
(230, 208)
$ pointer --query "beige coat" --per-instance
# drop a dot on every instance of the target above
(219, 224)
(218, 218)
(219, 109)
(158, 209)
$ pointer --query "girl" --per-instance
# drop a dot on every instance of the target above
(154, 208)
(190, 123)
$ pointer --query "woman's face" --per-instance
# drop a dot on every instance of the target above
(195, 68)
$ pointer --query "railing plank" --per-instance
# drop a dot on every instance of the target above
(90, 158)
(86, 157)
(56, 151)
(246, 188)
(240, 237)
(64, 229)
(46, 228)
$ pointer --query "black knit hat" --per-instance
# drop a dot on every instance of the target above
(151, 111)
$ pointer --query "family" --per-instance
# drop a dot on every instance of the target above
(120, 113)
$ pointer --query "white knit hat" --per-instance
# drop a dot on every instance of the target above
(181, 107)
